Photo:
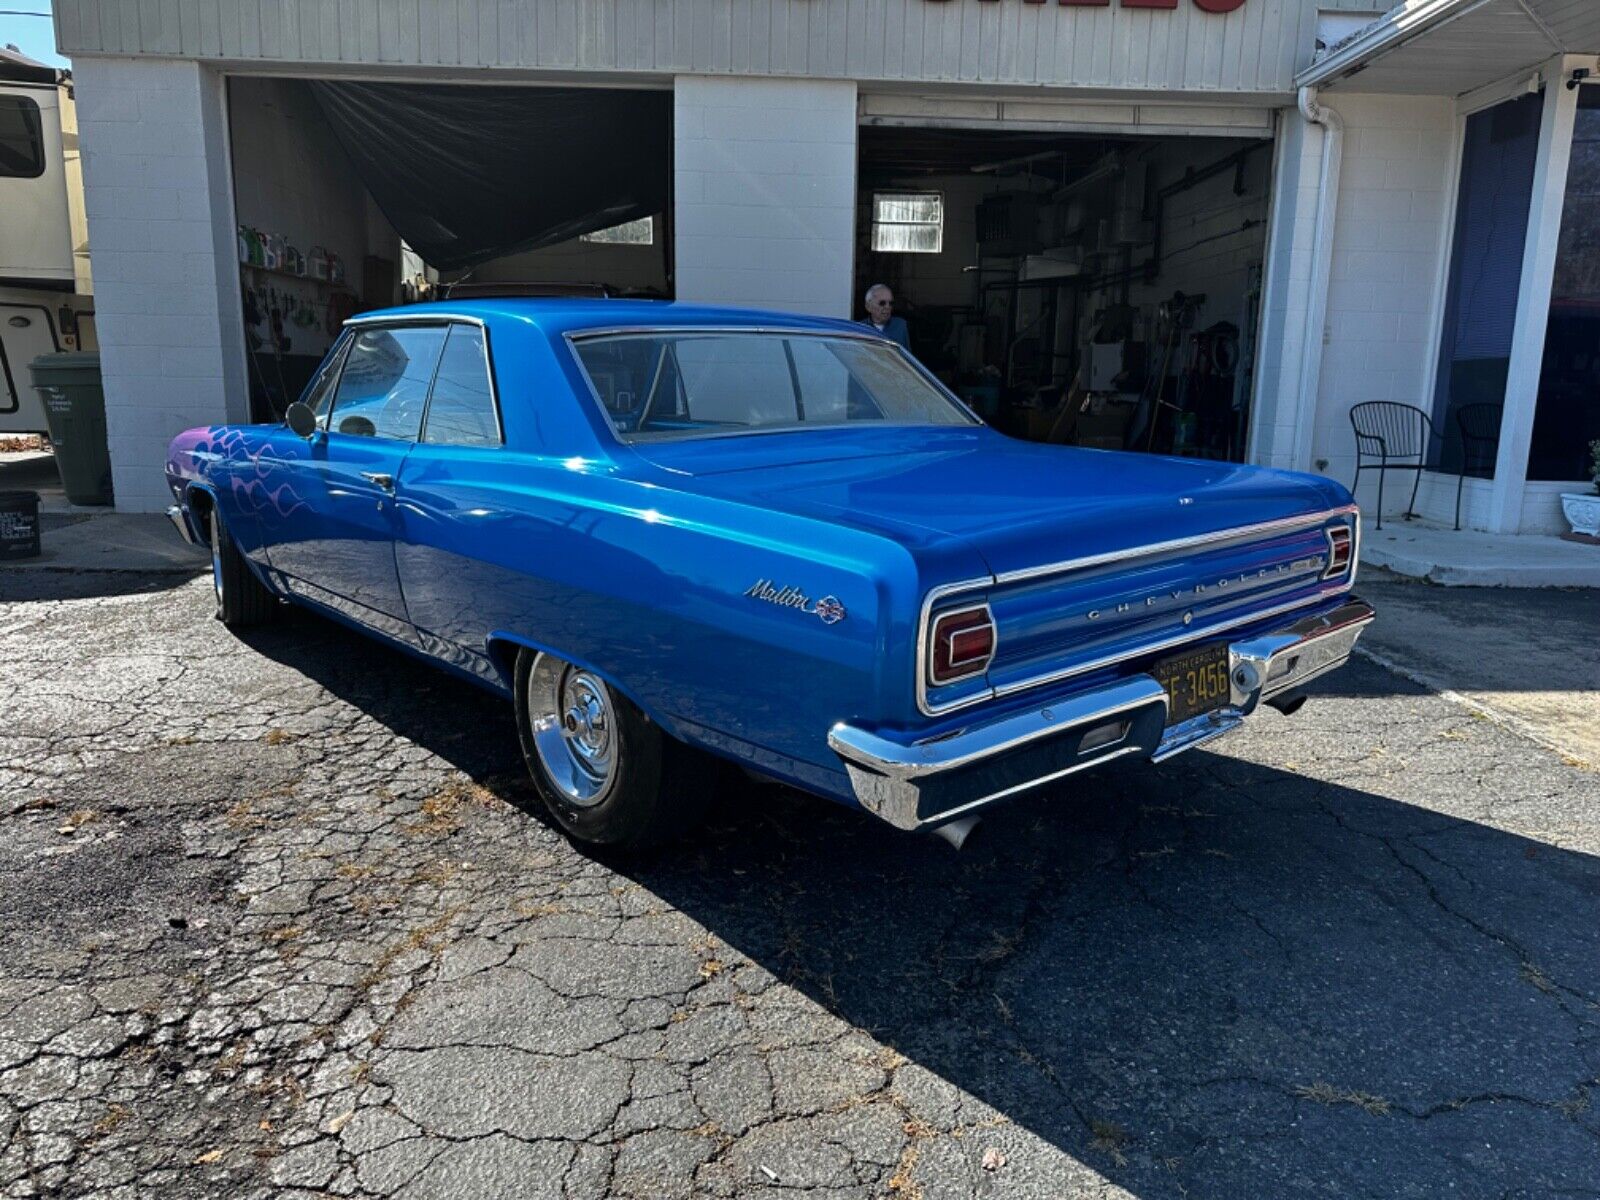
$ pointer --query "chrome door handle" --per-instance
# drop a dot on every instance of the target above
(379, 478)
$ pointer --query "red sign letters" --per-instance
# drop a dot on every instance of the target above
(1210, 6)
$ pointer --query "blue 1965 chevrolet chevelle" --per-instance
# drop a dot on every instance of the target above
(666, 530)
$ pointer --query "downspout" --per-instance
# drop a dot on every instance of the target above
(1321, 259)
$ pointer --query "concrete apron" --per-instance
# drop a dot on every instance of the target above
(1465, 558)
(78, 538)
(1529, 658)
(140, 543)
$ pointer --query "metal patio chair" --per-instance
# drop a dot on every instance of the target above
(1479, 426)
(1397, 435)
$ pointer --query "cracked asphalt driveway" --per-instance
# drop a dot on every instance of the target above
(275, 920)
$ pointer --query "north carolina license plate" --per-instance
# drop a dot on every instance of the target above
(1196, 681)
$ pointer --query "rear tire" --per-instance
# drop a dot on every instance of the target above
(608, 775)
(242, 599)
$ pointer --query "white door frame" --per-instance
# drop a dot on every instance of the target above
(1533, 293)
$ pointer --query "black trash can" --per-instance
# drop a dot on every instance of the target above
(75, 410)
(19, 525)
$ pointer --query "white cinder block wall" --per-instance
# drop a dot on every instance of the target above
(764, 192)
(1382, 282)
(167, 309)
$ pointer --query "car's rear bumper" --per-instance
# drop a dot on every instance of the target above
(916, 784)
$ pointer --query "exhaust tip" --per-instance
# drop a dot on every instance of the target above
(1290, 704)
(957, 832)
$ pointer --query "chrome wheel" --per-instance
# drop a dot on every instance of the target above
(574, 729)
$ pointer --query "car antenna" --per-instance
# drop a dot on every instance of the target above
(454, 283)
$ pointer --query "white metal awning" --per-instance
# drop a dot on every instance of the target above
(1450, 47)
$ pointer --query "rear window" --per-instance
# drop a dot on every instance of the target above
(21, 139)
(670, 384)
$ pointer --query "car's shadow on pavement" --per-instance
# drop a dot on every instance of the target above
(33, 584)
(1212, 978)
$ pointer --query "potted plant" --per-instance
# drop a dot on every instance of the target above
(1583, 508)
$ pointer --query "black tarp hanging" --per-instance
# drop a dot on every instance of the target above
(466, 174)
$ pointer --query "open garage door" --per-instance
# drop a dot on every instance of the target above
(353, 195)
(470, 174)
(1086, 282)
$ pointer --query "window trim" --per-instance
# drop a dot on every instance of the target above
(335, 366)
(494, 393)
(356, 324)
(41, 157)
(599, 332)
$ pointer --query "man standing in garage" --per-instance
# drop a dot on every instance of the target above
(880, 315)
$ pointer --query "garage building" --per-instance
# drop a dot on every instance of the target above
(1205, 227)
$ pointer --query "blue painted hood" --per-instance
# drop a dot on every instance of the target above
(1018, 504)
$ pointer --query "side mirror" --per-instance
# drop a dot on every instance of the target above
(301, 419)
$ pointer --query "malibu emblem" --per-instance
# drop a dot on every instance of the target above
(829, 610)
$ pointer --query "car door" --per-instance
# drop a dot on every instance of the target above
(451, 510)
(333, 537)
(272, 486)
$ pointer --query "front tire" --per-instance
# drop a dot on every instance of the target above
(242, 599)
(607, 774)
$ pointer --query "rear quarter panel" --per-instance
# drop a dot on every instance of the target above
(650, 586)
(228, 463)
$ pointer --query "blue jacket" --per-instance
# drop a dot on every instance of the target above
(895, 331)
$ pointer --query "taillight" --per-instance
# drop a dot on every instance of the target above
(1340, 544)
(962, 644)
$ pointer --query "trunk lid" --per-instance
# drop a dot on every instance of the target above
(1101, 561)
(1019, 504)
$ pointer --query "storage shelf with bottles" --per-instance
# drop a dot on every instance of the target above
(273, 254)
(280, 273)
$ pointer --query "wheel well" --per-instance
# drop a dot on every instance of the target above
(201, 503)
(503, 650)
(503, 654)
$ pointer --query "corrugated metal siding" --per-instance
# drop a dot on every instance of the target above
(1253, 49)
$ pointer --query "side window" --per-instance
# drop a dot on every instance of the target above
(384, 385)
(21, 138)
(461, 409)
(319, 395)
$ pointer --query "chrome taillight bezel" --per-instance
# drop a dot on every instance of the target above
(965, 619)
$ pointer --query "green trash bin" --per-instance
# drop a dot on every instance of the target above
(75, 410)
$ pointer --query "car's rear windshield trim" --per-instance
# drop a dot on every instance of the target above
(601, 333)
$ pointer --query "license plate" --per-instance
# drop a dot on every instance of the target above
(1196, 681)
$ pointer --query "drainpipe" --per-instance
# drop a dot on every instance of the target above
(1321, 259)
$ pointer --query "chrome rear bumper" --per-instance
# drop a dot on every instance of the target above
(917, 784)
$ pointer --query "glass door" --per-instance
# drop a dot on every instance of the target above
(1480, 315)
(1567, 418)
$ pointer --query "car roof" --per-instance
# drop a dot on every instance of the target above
(559, 315)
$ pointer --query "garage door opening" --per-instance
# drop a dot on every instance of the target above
(356, 196)
(1091, 290)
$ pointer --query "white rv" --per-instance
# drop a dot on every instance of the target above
(46, 298)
